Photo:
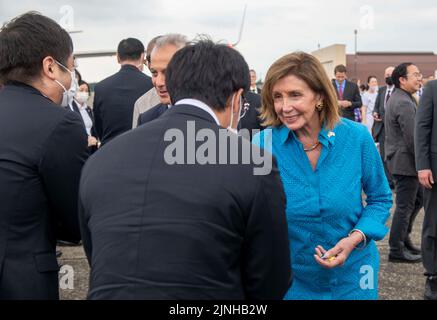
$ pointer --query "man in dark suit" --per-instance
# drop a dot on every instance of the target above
(254, 88)
(348, 93)
(425, 140)
(42, 150)
(115, 96)
(165, 47)
(154, 228)
(399, 153)
(378, 131)
(250, 117)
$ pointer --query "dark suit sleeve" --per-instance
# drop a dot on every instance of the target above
(267, 268)
(356, 97)
(97, 109)
(141, 120)
(151, 114)
(65, 152)
(84, 230)
(405, 118)
(378, 103)
(423, 128)
(93, 128)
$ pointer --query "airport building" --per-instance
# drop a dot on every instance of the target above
(362, 64)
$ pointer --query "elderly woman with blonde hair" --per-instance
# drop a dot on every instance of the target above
(326, 164)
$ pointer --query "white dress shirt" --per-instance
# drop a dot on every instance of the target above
(86, 117)
(201, 105)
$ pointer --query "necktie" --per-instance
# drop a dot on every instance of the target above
(340, 92)
(387, 97)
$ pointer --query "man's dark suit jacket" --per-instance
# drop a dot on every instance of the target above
(114, 101)
(378, 126)
(399, 133)
(152, 114)
(42, 151)
(251, 119)
(351, 93)
(426, 129)
(153, 230)
(425, 140)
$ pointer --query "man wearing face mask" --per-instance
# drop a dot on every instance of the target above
(115, 96)
(378, 131)
(159, 230)
(42, 150)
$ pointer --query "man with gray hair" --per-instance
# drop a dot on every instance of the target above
(150, 98)
(165, 47)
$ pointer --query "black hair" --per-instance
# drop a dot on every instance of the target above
(400, 72)
(208, 72)
(370, 78)
(24, 43)
(78, 75)
(81, 82)
(130, 49)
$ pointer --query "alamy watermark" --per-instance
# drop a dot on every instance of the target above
(367, 281)
(367, 20)
(204, 147)
(67, 17)
(66, 277)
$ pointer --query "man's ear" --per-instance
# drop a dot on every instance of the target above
(118, 59)
(236, 103)
(48, 67)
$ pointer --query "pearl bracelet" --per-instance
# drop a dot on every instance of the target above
(364, 239)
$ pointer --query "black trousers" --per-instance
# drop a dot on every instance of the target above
(409, 201)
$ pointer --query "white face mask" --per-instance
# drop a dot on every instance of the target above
(68, 95)
(235, 130)
(82, 97)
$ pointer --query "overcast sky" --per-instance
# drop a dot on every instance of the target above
(272, 29)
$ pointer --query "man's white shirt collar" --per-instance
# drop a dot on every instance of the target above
(201, 105)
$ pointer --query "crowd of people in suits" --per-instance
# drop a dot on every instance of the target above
(98, 175)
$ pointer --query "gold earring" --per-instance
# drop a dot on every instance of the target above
(319, 106)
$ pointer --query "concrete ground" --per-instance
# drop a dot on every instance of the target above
(397, 281)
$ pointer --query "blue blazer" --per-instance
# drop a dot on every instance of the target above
(152, 114)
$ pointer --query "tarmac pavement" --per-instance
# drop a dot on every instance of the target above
(397, 281)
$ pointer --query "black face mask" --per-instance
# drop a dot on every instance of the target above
(389, 81)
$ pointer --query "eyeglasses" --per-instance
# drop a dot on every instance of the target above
(416, 74)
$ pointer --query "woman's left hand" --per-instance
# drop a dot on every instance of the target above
(338, 255)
